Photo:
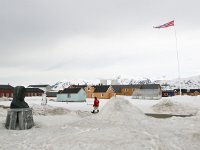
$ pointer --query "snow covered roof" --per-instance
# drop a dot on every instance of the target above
(70, 90)
(194, 90)
(3, 87)
(42, 85)
(150, 86)
(101, 88)
(77, 86)
(33, 90)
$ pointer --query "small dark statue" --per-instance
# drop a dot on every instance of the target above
(18, 98)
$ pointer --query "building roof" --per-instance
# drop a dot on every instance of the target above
(182, 90)
(167, 90)
(6, 87)
(194, 90)
(77, 86)
(41, 85)
(70, 90)
(51, 93)
(34, 90)
(150, 86)
(117, 88)
(101, 88)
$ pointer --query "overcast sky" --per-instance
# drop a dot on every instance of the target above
(45, 41)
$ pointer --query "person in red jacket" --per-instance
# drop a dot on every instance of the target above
(96, 105)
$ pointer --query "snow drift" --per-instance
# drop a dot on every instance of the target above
(172, 107)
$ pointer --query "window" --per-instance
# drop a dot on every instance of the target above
(89, 88)
(126, 90)
(101, 94)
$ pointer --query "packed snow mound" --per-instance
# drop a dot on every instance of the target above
(49, 110)
(119, 108)
(168, 106)
(117, 104)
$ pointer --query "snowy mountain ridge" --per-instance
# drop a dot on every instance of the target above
(186, 83)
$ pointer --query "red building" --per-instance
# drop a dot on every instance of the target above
(34, 92)
(6, 91)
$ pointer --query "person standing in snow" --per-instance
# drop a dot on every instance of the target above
(44, 99)
(96, 105)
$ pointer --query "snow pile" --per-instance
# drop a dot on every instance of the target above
(119, 106)
(5, 99)
(49, 110)
(168, 106)
(52, 111)
(2, 112)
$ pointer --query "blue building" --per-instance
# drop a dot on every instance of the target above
(167, 93)
(71, 95)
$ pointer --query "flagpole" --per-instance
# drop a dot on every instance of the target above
(177, 56)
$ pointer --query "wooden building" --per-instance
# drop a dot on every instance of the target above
(99, 91)
(125, 89)
(6, 91)
(194, 92)
(103, 92)
(183, 92)
(90, 91)
(33, 92)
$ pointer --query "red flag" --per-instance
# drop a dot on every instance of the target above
(171, 23)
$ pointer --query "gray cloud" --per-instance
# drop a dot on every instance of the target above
(49, 35)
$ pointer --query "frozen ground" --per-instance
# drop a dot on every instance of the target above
(121, 124)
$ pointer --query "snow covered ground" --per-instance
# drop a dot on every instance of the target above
(121, 124)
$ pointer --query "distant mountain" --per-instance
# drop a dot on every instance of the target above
(141, 81)
(60, 86)
(186, 83)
